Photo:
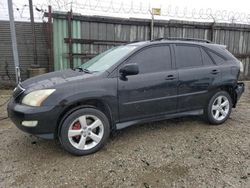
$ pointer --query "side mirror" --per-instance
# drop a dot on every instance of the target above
(129, 69)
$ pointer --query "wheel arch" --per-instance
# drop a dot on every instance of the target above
(88, 103)
(230, 89)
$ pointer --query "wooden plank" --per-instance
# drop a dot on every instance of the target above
(94, 41)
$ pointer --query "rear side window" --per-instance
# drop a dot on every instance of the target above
(218, 59)
(188, 56)
(152, 59)
(206, 59)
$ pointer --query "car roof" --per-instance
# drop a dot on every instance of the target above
(199, 42)
(218, 48)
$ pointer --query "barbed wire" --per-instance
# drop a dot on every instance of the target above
(21, 12)
(128, 9)
(169, 11)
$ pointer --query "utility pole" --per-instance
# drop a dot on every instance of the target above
(13, 39)
(33, 34)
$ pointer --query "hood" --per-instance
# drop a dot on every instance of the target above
(54, 79)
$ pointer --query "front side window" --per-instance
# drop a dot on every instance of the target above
(152, 59)
(188, 56)
(105, 60)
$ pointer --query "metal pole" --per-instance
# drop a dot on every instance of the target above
(14, 43)
(212, 29)
(33, 33)
(152, 26)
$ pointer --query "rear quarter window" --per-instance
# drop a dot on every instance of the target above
(218, 59)
(206, 58)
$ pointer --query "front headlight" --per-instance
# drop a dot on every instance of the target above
(36, 98)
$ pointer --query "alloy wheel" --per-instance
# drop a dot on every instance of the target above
(220, 108)
(86, 132)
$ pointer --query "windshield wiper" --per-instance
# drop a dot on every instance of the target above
(82, 70)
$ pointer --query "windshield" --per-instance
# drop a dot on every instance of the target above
(105, 60)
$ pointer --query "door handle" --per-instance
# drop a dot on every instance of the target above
(170, 77)
(215, 71)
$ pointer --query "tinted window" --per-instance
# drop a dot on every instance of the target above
(218, 59)
(153, 59)
(206, 59)
(188, 56)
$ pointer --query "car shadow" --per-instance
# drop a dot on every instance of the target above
(42, 148)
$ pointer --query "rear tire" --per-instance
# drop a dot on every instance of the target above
(219, 108)
(84, 131)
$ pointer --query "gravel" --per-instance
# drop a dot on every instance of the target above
(184, 152)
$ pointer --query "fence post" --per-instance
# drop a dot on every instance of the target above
(70, 38)
(35, 64)
(212, 31)
(50, 40)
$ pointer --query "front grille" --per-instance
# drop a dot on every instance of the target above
(18, 91)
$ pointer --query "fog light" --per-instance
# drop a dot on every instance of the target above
(29, 123)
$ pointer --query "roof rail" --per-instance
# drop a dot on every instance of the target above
(158, 39)
(131, 42)
(182, 39)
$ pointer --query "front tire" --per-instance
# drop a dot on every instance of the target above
(219, 108)
(84, 131)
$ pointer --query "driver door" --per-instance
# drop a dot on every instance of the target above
(153, 91)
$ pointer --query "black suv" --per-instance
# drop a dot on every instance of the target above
(126, 85)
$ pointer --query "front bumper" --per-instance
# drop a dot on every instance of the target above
(47, 117)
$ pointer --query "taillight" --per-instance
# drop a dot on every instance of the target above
(241, 67)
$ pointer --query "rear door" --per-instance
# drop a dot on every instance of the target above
(197, 75)
(154, 90)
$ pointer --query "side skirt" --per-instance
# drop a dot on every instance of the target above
(158, 118)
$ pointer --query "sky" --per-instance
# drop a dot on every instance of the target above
(222, 10)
